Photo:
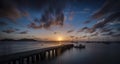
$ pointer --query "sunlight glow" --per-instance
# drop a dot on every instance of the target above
(60, 38)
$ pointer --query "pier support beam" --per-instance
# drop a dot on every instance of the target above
(30, 57)
(43, 56)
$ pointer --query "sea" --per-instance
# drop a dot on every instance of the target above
(93, 53)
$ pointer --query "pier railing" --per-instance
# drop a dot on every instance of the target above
(30, 57)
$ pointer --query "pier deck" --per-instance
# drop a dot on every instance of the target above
(33, 56)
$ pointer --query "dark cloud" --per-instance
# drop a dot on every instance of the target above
(108, 34)
(46, 21)
(86, 22)
(105, 22)
(109, 19)
(116, 35)
(72, 36)
(16, 29)
(84, 36)
(55, 32)
(10, 10)
(90, 30)
(69, 31)
(109, 6)
(3, 23)
(76, 38)
(53, 15)
(110, 11)
(52, 10)
(36, 20)
(95, 34)
(34, 25)
(9, 31)
(82, 29)
(24, 32)
(105, 30)
(118, 29)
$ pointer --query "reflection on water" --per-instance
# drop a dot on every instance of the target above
(94, 53)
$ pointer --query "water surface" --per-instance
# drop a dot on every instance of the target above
(94, 53)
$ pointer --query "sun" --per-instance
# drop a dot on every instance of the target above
(60, 38)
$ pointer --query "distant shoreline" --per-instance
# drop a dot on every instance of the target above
(18, 40)
(62, 41)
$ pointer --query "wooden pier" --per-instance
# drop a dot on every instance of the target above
(33, 56)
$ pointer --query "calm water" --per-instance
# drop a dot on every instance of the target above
(94, 53)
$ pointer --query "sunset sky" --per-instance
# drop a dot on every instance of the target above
(60, 19)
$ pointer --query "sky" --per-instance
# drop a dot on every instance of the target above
(84, 20)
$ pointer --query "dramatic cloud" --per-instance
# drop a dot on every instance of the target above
(82, 29)
(84, 36)
(24, 32)
(9, 31)
(116, 35)
(105, 22)
(105, 30)
(53, 15)
(72, 36)
(10, 10)
(52, 11)
(16, 29)
(109, 19)
(76, 38)
(95, 34)
(14, 9)
(109, 33)
(110, 6)
(55, 32)
(69, 31)
(118, 29)
(3, 23)
(110, 11)
(46, 21)
(47, 14)
(34, 25)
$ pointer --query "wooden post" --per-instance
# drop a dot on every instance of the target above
(14, 61)
(21, 60)
(46, 54)
(33, 58)
(37, 57)
(28, 60)
(42, 55)
(53, 53)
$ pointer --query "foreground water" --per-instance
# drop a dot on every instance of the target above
(94, 53)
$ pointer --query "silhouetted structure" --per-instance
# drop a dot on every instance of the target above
(30, 57)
